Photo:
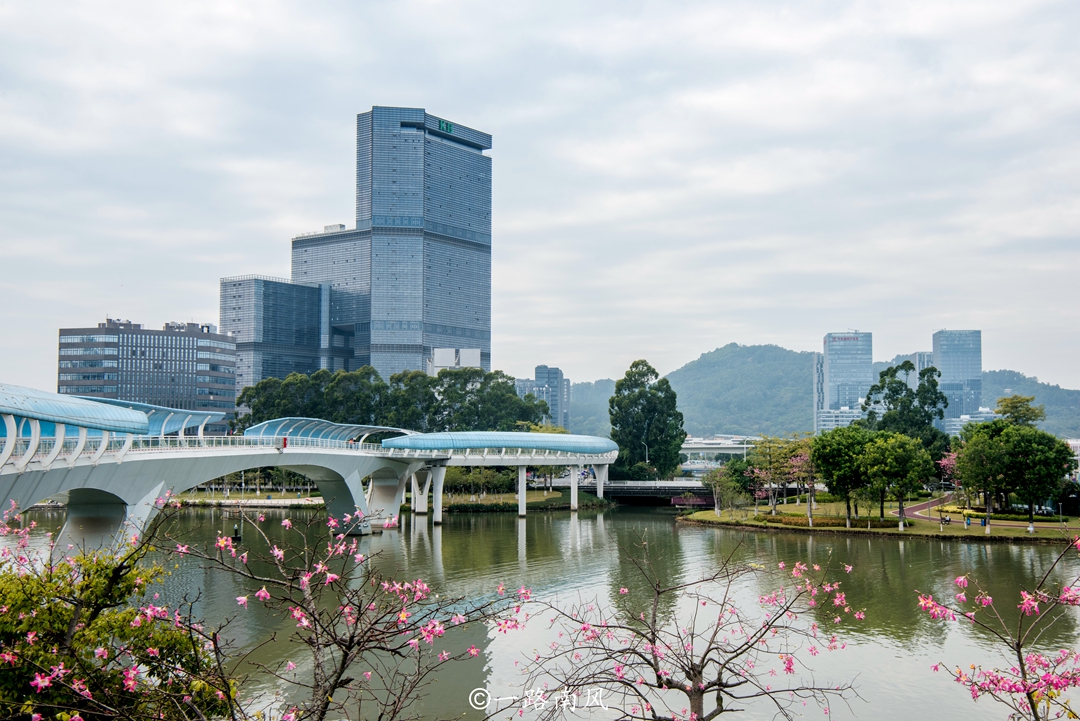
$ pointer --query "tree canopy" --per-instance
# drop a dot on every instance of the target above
(646, 424)
(456, 400)
(1018, 410)
(906, 410)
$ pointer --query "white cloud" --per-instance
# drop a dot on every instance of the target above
(668, 177)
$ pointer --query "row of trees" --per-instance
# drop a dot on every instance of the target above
(861, 464)
(455, 400)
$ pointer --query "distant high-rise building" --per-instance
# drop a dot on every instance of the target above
(958, 356)
(819, 388)
(553, 388)
(412, 276)
(847, 374)
(185, 365)
(921, 360)
(277, 327)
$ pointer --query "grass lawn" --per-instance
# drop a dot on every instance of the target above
(531, 498)
(919, 528)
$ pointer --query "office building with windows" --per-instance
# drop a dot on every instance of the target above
(958, 356)
(413, 275)
(846, 374)
(184, 365)
(921, 360)
(551, 386)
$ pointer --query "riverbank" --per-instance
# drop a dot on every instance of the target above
(918, 529)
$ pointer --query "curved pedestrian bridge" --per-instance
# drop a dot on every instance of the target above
(110, 461)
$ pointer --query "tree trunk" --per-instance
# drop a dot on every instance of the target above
(881, 512)
(900, 500)
(810, 506)
(1031, 512)
(847, 501)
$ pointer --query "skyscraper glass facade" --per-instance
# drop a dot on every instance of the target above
(415, 272)
(552, 387)
(847, 373)
(958, 355)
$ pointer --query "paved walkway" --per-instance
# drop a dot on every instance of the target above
(924, 511)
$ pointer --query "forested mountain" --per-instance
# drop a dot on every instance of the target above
(767, 389)
(589, 407)
(746, 389)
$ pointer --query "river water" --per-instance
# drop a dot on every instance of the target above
(888, 656)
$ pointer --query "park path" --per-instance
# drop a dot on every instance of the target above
(922, 510)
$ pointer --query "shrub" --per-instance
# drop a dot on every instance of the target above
(829, 521)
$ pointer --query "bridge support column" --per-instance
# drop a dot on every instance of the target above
(438, 475)
(347, 498)
(101, 521)
(601, 478)
(575, 474)
(522, 487)
(420, 489)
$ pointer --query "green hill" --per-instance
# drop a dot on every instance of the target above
(746, 389)
(767, 389)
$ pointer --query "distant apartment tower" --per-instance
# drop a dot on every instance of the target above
(552, 387)
(921, 360)
(412, 276)
(846, 374)
(958, 356)
(185, 365)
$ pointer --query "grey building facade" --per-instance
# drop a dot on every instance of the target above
(185, 365)
(414, 274)
(551, 386)
(958, 356)
(846, 372)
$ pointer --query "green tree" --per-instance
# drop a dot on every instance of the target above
(1037, 464)
(412, 402)
(1018, 410)
(981, 462)
(357, 398)
(726, 486)
(909, 411)
(646, 424)
(896, 464)
(837, 455)
(472, 400)
(85, 634)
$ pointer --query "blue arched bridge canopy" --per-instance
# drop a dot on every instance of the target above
(460, 441)
(173, 419)
(70, 410)
(315, 428)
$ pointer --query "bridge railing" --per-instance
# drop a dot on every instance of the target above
(120, 445)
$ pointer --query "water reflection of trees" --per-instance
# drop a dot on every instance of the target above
(887, 572)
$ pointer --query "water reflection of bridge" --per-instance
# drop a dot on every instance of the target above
(111, 461)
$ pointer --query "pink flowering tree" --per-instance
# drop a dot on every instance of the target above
(691, 650)
(86, 636)
(1033, 681)
(368, 644)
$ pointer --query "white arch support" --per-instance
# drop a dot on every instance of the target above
(161, 434)
(58, 445)
(104, 446)
(10, 439)
(78, 448)
(35, 438)
(130, 439)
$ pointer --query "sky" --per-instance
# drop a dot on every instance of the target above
(669, 177)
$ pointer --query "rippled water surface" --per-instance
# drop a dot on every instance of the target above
(888, 656)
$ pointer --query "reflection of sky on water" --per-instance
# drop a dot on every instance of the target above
(570, 557)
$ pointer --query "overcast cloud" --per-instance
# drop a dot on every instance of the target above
(669, 177)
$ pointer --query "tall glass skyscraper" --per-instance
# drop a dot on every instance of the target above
(958, 356)
(415, 272)
(842, 377)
